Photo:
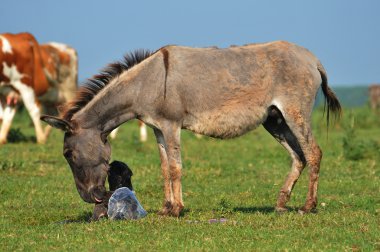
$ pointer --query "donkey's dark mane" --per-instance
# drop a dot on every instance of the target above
(92, 86)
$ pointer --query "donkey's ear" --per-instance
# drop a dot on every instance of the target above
(57, 123)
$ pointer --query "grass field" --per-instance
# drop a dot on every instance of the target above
(234, 179)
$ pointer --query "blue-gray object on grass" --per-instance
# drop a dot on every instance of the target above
(123, 205)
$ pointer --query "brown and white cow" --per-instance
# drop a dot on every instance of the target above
(43, 76)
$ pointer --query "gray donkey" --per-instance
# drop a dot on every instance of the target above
(222, 93)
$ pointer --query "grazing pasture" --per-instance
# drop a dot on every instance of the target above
(237, 180)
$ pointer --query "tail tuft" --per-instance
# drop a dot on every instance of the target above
(331, 100)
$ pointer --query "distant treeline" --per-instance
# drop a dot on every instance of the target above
(354, 96)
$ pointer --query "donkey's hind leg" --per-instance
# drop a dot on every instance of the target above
(299, 123)
(275, 124)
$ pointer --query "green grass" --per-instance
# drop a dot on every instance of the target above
(234, 179)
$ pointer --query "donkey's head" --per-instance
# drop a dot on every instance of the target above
(88, 152)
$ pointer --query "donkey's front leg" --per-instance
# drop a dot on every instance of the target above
(167, 204)
(172, 135)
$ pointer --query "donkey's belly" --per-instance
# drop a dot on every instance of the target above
(225, 123)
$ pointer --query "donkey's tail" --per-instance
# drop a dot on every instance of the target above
(331, 100)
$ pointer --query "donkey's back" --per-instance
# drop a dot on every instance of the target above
(227, 92)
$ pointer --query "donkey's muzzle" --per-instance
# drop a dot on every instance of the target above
(98, 193)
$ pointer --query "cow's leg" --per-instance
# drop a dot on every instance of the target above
(162, 147)
(1, 110)
(47, 131)
(34, 110)
(114, 133)
(299, 123)
(8, 115)
(142, 128)
(49, 109)
(275, 124)
(143, 132)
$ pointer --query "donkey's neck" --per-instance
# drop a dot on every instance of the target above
(112, 106)
(123, 98)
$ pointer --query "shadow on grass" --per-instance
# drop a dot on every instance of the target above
(263, 209)
(16, 136)
(84, 217)
(157, 212)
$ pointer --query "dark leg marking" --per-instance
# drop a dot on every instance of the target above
(276, 125)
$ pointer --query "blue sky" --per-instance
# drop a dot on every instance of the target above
(345, 35)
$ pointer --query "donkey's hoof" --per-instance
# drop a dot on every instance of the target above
(176, 210)
(166, 209)
(281, 210)
(171, 209)
(305, 210)
(164, 212)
